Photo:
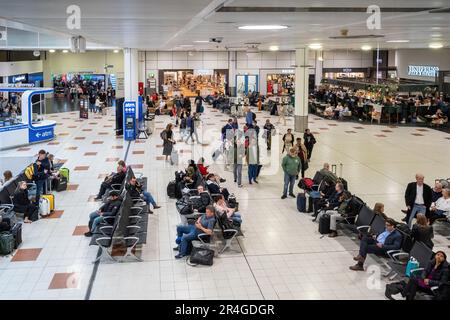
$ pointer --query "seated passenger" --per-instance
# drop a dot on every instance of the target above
(327, 174)
(221, 207)
(109, 209)
(441, 208)
(436, 191)
(214, 186)
(7, 175)
(337, 215)
(390, 239)
(187, 233)
(22, 204)
(136, 190)
(422, 231)
(435, 274)
(116, 178)
(330, 203)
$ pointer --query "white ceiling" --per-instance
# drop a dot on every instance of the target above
(167, 24)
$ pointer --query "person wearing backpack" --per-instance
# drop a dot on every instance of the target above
(41, 169)
(168, 140)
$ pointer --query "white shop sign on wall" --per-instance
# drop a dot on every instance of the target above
(423, 71)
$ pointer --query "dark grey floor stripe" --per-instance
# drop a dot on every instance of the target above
(95, 269)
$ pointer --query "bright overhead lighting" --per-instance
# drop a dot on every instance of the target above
(320, 58)
(186, 45)
(263, 27)
(51, 50)
(397, 41)
(436, 45)
(116, 51)
(315, 46)
(201, 41)
(436, 35)
(65, 51)
(366, 48)
(274, 48)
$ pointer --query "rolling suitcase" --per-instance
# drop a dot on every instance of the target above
(44, 207)
(51, 200)
(174, 157)
(64, 172)
(16, 231)
(324, 224)
(301, 202)
(6, 243)
(216, 154)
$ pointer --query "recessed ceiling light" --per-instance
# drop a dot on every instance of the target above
(51, 50)
(366, 48)
(436, 35)
(201, 41)
(397, 41)
(263, 27)
(65, 51)
(315, 46)
(320, 58)
(116, 51)
(274, 48)
(436, 28)
(436, 45)
(186, 45)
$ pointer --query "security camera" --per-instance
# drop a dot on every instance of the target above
(218, 39)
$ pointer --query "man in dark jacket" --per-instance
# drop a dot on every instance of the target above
(116, 178)
(41, 174)
(109, 209)
(418, 199)
(390, 239)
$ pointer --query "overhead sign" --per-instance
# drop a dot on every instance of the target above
(423, 71)
(19, 78)
(203, 72)
(287, 71)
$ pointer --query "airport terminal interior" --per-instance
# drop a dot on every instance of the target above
(224, 150)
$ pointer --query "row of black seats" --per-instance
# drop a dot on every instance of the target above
(127, 229)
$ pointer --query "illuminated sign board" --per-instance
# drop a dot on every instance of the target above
(423, 71)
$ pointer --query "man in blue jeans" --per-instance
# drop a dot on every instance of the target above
(109, 209)
(187, 233)
(291, 166)
(41, 169)
(136, 190)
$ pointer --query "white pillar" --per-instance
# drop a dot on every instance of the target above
(301, 89)
(232, 56)
(131, 73)
(319, 68)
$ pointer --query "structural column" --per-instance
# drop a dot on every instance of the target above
(301, 89)
(319, 68)
(131, 74)
(232, 56)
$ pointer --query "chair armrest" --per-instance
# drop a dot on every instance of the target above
(6, 206)
(200, 237)
(138, 209)
(232, 231)
(392, 252)
(362, 227)
(98, 240)
(417, 270)
(135, 217)
(116, 187)
(102, 229)
(396, 256)
(434, 289)
(109, 217)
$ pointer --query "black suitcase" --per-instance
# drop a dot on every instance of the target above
(16, 231)
(324, 224)
(301, 202)
(61, 184)
(171, 189)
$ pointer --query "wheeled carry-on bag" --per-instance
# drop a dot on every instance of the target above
(171, 189)
(16, 231)
(44, 207)
(324, 224)
(301, 202)
(174, 157)
(51, 200)
(6, 243)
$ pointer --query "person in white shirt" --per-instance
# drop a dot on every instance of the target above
(441, 208)
(221, 207)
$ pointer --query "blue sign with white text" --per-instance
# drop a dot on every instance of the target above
(129, 120)
(43, 134)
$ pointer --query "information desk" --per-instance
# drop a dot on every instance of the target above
(27, 131)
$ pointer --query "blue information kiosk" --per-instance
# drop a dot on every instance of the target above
(129, 120)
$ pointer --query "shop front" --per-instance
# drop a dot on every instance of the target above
(61, 82)
(345, 73)
(277, 82)
(34, 79)
(189, 82)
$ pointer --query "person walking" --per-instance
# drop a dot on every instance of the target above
(238, 153)
(190, 128)
(302, 153)
(252, 156)
(309, 142)
(291, 167)
(168, 140)
(288, 141)
(199, 103)
(269, 129)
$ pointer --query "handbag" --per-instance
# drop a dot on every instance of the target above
(202, 256)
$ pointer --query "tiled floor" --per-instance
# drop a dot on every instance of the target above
(282, 256)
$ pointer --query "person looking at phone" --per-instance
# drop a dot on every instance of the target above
(41, 173)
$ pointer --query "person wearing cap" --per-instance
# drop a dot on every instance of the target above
(435, 274)
(109, 209)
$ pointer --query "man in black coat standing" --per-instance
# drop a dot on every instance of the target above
(418, 199)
